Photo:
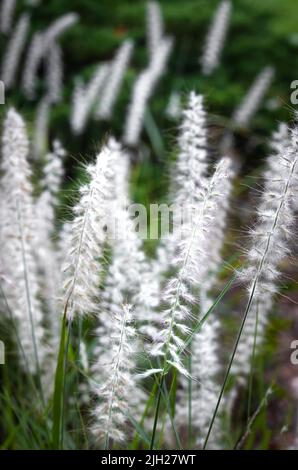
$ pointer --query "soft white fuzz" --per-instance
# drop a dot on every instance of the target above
(54, 74)
(44, 45)
(174, 108)
(122, 283)
(270, 244)
(32, 63)
(14, 51)
(113, 84)
(86, 242)
(46, 248)
(18, 243)
(84, 97)
(110, 414)
(216, 237)
(58, 27)
(177, 295)
(192, 163)
(252, 100)
(6, 15)
(41, 128)
(143, 89)
(155, 27)
(216, 37)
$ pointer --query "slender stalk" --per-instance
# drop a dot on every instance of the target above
(252, 366)
(189, 400)
(157, 411)
(247, 310)
(64, 383)
(28, 297)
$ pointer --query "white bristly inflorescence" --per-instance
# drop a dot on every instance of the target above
(117, 380)
(155, 27)
(270, 244)
(54, 74)
(44, 46)
(86, 242)
(85, 95)
(14, 51)
(6, 15)
(112, 86)
(216, 37)
(18, 227)
(145, 85)
(251, 102)
(177, 295)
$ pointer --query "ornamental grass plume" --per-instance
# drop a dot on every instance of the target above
(143, 89)
(155, 27)
(177, 295)
(270, 243)
(6, 15)
(84, 97)
(118, 382)
(42, 43)
(86, 242)
(49, 266)
(54, 73)
(174, 108)
(58, 27)
(112, 86)
(216, 37)
(18, 244)
(32, 63)
(191, 169)
(41, 128)
(14, 51)
(251, 101)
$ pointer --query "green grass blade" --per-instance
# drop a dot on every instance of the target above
(58, 390)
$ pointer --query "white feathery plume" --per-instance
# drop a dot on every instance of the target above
(155, 27)
(188, 179)
(216, 37)
(41, 43)
(41, 128)
(252, 100)
(6, 15)
(270, 244)
(14, 51)
(84, 97)
(18, 243)
(86, 242)
(192, 163)
(143, 89)
(216, 237)
(54, 74)
(177, 295)
(148, 298)
(118, 381)
(77, 105)
(46, 249)
(113, 84)
(32, 63)
(173, 109)
(123, 280)
(58, 27)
